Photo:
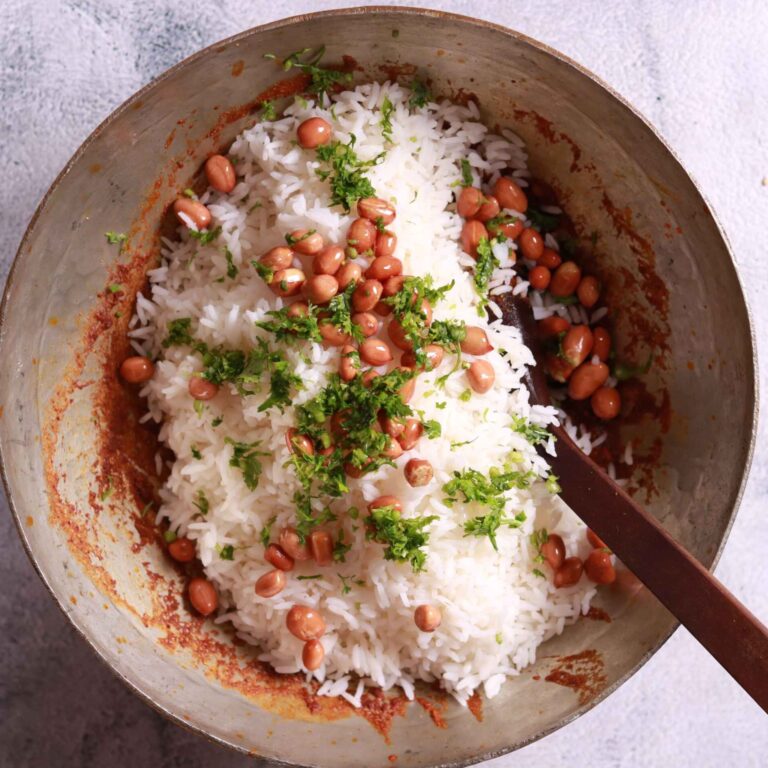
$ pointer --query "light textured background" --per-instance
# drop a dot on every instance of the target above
(698, 70)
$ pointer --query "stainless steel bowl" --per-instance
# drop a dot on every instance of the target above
(77, 467)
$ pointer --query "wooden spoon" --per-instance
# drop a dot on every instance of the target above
(733, 635)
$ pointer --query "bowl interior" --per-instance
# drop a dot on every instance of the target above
(79, 467)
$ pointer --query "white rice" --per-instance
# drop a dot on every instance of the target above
(496, 610)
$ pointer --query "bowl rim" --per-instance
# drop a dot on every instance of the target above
(403, 11)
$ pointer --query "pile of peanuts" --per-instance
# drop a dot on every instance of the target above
(563, 279)
(598, 565)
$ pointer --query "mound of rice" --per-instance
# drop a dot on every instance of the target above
(497, 607)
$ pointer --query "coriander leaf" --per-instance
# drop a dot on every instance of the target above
(268, 111)
(539, 538)
(432, 428)
(544, 222)
(420, 94)
(110, 490)
(266, 531)
(115, 288)
(322, 80)
(346, 173)
(485, 263)
(232, 270)
(624, 371)
(466, 396)
(533, 433)
(466, 173)
(202, 503)
(340, 548)
(170, 536)
(196, 453)
(227, 552)
(405, 538)
(267, 274)
(115, 238)
(244, 458)
(291, 240)
(537, 572)
(190, 193)
(387, 109)
(204, 236)
(553, 486)
(288, 327)
(217, 421)
(308, 578)
(179, 333)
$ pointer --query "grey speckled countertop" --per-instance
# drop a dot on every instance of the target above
(697, 69)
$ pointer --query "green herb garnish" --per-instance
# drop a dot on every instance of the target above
(347, 172)
(109, 491)
(533, 433)
(473, 486)
(544, 222)
(196, 453)
(624, 371)
(170, 536)
(266, 531)
(466, 173)
(245, 458)
(232, 270)
(204, 236)
(485, 263)
(291, 240)
(322, 80)
(310, 578)
(179, 333)
(387, 108)
(115, 238)
(115, 288)
(420, 94)
(268, 111)
(202, 503)
(227, 552)
(405, 538)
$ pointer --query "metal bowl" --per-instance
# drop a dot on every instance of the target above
(78, 468)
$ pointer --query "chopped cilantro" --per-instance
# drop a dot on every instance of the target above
(196, 453)
(499, 638)
(202, 503)
(489, 491)
(109, 491)
(291, 240)
(539, 538)
(322, 80)
(432, 428)
(544, 222)
(267, 274)
(115, 288)
(190, 193)
(232, 270)
(466, 396)
(179, 333)
(624, 371)
(245, 458)
(268, 111)
(485, 263)
(227, 552)
(287, 327)
(340, 548)
(441, 405)
(199, 407)
(340, 313)
(553, 486)
(115, 238)
(308, 578)
(170, 536)
(387, 108)
(345, 583)
(537, 572)
(420, 94)
(347, 172)
(456, 444)
(533, 433)
(405, 537)
(466, 173)
(205, 236)
(217, 421)
(266, 531)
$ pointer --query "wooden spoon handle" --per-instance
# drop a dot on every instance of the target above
(732, 634)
